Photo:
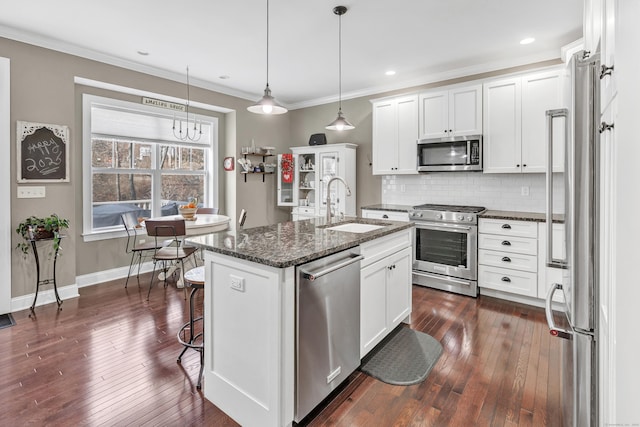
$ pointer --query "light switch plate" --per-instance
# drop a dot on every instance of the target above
(31, 192)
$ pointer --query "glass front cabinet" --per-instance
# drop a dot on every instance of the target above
(312, 167)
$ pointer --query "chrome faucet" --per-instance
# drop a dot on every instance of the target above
(346, 186)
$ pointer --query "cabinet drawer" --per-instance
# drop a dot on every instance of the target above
(509, 244)
(508, 227)
(384, 246)
(304, 210)
(508, 260)
(505, 280)
(392, 215)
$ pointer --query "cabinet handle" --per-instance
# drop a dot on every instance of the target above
(506, 243)
(605, 126)
(506, 259)
(518, 166)
(605, 71)
(524, 166)
(505, 279)
(506, 226)
(450, 131)
(385, 216)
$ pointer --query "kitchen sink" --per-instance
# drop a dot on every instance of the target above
(355, 227)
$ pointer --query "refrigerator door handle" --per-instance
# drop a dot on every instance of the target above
(548, 311)
(553, 114)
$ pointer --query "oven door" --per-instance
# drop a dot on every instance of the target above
(446, 249)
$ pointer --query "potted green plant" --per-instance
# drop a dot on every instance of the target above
(35, 228)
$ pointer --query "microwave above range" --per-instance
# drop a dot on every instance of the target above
(458, 153)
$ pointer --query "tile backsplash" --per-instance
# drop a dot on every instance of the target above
(493, 191)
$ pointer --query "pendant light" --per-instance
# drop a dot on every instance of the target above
(267, 104)
(340, 123)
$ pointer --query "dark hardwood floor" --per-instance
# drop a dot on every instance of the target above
(109, 358)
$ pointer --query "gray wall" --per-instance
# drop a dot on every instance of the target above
(43, 90)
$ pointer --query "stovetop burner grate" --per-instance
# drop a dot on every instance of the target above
(450, 208)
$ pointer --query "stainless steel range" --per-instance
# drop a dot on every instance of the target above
(446, 247)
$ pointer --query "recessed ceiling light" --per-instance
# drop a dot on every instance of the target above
(527, 40)
(224, 77)
(143, 53)
(390, 73)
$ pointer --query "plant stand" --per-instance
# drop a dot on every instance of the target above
(44, 281)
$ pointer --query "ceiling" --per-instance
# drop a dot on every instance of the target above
(422, 40)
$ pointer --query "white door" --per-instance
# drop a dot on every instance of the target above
(407, 135)
(465, 111)
(541, 92)
(502, 123)
(5, 189)
(434, 114)
(385, 137)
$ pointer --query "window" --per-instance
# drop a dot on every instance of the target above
(133, 163)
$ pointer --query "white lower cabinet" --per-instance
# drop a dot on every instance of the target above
(385, 288)
(508, 256)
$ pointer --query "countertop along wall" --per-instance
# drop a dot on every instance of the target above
(43, 90)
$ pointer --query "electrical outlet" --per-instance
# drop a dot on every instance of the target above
(237, 283)
(142, 241)
(524, 190)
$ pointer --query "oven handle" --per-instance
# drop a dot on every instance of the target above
(443, 227)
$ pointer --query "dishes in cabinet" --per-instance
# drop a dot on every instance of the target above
(308, 180)
(311, 197)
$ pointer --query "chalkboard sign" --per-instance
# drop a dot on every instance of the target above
(43, 152)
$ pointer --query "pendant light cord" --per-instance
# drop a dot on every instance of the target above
(267, 43)
(340, 62)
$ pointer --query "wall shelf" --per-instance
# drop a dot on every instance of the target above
(264, 157)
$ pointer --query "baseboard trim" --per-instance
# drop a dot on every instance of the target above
(112, 274)
(44, 297)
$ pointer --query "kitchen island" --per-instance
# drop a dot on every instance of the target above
(250, 306)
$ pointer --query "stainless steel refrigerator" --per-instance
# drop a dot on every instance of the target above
(577, 323)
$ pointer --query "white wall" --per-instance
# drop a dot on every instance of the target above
(493, 191)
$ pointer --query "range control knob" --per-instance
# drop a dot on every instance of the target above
(469, 218)
(418, 214)
(460, 218)
(439, 216)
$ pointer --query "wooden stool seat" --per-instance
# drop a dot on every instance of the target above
(195, 277)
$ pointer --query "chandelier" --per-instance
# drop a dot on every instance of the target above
(189, 133)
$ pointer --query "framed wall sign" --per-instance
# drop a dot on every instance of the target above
(43, 152)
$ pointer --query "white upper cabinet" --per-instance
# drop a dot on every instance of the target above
(515, 135)
(451, 112)
(502, 126)
(395, 131)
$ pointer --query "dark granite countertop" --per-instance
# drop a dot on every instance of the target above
(292, 243)
(521, 216)
(383, 207)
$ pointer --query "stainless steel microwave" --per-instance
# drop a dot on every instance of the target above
(457, 153)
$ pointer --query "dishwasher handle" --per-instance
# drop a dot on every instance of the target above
(313, 275)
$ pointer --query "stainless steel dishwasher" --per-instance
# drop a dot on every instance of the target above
(327, 326)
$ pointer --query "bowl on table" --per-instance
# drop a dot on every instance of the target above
(188, 213)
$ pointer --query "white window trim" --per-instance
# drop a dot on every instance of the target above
(88, 100)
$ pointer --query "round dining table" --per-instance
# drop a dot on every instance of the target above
(202, 224)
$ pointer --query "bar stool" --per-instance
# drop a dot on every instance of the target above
(193, 278)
